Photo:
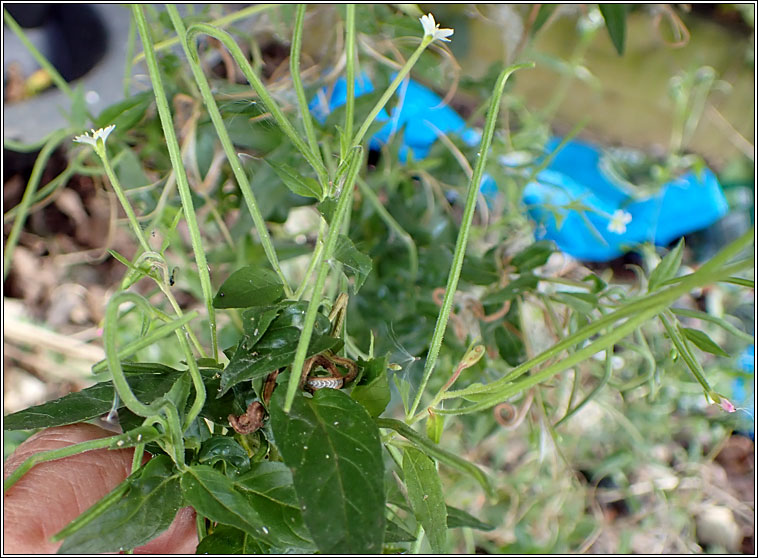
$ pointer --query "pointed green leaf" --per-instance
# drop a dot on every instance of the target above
(460, 518)
(249, 286)
(256, 321)
(356, 263)
(426, 497)
(223, 448)
(300, 185)
(532, 256)
(703, 342)
(373, 391)
(667, 267)
(542, 16)
(230, 540)
(524, 283)
(395, 533)
(332, 447)
(91, 402)
(615, 22)
(269, 489)
(143, 513)
(214, 496)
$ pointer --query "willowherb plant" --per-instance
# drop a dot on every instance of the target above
(284, 443)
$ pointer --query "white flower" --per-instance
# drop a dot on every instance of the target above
(619, 221)
(102, 134)
(432, 29)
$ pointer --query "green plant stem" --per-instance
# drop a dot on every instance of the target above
(393, 225)
(271, 105)
(682, 347)
(642, 310)
(158, 333)
(433, 450)
(181, 174)
(315, 258)
(343, 206)
(297, 82)
(121, 441)
(419, 540)
(462, 240)
(39, 198)
(425, 42)
(26, 201)
(220, 22)
(349, 75)
(190, 49)
(197, 382)
(130, 42)
(715, 320)
(600, 385)
(55, 76)
(124, 201)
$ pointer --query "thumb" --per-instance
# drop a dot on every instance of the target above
(52, 494)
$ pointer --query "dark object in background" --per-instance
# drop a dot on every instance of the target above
(75, 34)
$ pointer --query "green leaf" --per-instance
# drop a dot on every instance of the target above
(125, 114)
(584, 303)
(143, 513)
(332, 447)
(460, 518)
(91, 402)
(395, 533)
(524, 283)
(373, 391)
(703, 342)
(356, 263)
(327, 209)
(542, 16)
(435, 424)
(533, 256)
(249, 286)
(269, 489)
(667, 267)
(230, 540)
(214, 496)
(509, 346)
(256, 321)
(298, 184)
(426, 497)
(615, 22)
(223, 448)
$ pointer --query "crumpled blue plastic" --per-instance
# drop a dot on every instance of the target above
(690, 202)
(686, 204)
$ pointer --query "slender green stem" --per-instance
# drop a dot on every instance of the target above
(26, 201)
(682, 347)
(433, 450)
(289, 130)
(158, 333)
(111, 354)
(393, 225)
(600, 385)
(297, 82)
(315, 258)
(425, 42)
(39, 198)
(181, 174)
(124, 201)
(460, 245)
(343, 206)
(656, 301)
(220, 22)
(190, 49)
(418, 541)
(349, 75)
(130, 42)
(55, 76)
(122, 441)
(716, 320)
(197, 382)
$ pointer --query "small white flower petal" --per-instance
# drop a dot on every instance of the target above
(432, 29)
(85, 138)
(104, 132)
(619, 220)
(91, 139)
